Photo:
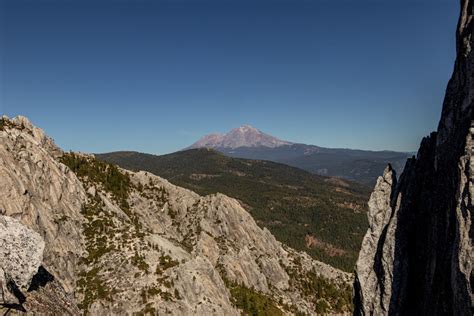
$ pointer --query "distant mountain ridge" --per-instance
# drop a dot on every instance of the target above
(248, 142)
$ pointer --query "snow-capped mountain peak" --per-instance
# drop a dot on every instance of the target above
(243, 136)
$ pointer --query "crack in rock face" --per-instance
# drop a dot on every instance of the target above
(21, 253)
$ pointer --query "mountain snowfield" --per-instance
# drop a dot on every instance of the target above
(119, 242)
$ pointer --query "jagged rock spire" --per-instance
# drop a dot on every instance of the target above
(417, 256)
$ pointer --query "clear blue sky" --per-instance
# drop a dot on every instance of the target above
(154, 76)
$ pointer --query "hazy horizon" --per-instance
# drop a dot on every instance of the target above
(156, 76)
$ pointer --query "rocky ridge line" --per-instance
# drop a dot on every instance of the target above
(119, 242)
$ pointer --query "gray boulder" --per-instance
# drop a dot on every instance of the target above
(21, 253)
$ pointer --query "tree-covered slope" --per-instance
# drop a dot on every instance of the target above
(324, 216)
(362, 166)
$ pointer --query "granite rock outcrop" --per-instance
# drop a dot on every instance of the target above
(121, 242)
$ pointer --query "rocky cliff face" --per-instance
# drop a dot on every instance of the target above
(83, 236)
(417, 257)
